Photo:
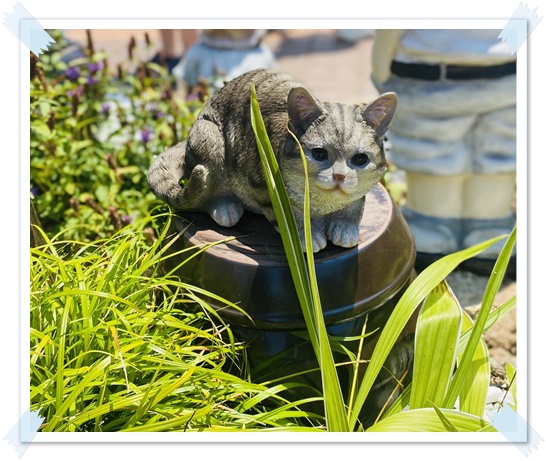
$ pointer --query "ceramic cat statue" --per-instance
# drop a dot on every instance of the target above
(220, 163)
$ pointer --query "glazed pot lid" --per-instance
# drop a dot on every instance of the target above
(251, 270)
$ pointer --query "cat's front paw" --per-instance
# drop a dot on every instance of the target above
(343, 234)
(226, 212)
(318, 241)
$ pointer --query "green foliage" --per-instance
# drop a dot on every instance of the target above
(439, 325)
(429, 284)
(93, 134)
(118, 346)
(444, 333)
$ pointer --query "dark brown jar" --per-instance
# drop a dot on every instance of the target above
(357, 284)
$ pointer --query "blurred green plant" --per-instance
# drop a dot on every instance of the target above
(93, 134)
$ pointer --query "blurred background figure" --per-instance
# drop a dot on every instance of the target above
(454, 133)
(175, 42)
(222, 54)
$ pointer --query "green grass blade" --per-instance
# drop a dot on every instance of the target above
(304, 276)
(60, 388)
(333, 397)
(402, 313)
(493, 317)
(490, 292)
(512, 382)
(473, 394)
(285, 217)
(437, 331)
(445, 420)
(77, 392)
(171, 423)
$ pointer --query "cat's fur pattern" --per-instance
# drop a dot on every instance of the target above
(343, 145)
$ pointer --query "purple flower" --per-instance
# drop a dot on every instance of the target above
(105, 107)
(94, 67)
(35, 191)
(146, 134)
(91, 80)
(72, 73)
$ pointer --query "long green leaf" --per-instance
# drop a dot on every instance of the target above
(489, 296)
(473, 394)
(511, 374)
(494, 316)
(427, 420)
(445, 420)
(333, 397)
(437, 331)
(283, 213)
(304, 277)
(76, 392)
(170, 424)
(402, 313)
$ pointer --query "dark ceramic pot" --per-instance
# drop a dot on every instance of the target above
(355, 284)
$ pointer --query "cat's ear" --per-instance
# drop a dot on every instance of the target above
(303, 110)
(380, 112)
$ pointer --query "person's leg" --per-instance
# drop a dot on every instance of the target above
(433, 211)
(441, 138)
(169, 44)
(489, 208)
(432, 151)
(170, 54)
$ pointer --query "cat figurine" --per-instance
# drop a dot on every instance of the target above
(343, 145)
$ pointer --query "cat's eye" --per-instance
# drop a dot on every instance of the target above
(360, 159)
(319, 154)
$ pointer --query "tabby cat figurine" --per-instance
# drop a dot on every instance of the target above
(343, 145)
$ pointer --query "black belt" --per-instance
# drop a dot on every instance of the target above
(434, 71)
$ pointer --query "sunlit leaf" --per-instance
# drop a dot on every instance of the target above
(512, 382)
(474, 390)
(405, 308)
(427, 420)
(491, 291)
(437, 331)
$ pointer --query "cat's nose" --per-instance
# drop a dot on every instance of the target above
(338, 177)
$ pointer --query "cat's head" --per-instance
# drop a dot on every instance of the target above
(343, 144)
